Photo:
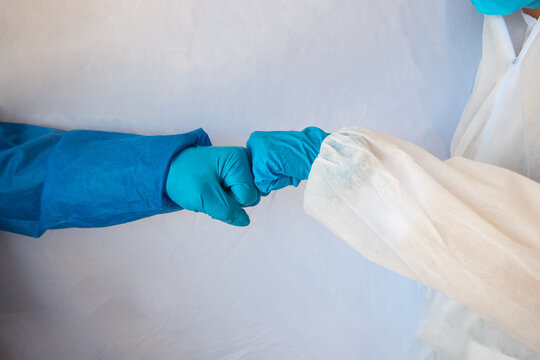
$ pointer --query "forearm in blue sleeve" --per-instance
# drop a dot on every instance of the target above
(53, 179)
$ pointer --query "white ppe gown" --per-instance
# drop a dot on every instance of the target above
(501, 123)
(464, 227)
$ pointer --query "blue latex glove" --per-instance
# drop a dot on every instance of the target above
(214, 180)
(283, 158)
(503, 7)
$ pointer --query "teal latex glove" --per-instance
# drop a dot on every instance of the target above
(213, 180)
(283, 158)
(503, 7)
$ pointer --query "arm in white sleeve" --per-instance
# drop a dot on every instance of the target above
(468, 229)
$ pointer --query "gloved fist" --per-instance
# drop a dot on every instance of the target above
(283, 158)
(214, 180)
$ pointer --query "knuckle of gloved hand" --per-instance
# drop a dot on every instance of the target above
(256, 141)
(242, 151)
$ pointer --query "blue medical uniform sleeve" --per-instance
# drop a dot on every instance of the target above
(51, 179)
(503, 7)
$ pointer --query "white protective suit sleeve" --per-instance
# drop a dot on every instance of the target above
(468, 229)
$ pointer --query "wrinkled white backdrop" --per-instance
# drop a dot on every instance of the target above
(181, 286)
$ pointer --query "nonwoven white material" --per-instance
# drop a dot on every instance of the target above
(500, 124)
(521, 31)
(465, 228)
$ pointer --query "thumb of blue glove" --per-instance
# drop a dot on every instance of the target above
(283, 158)
(214, 180)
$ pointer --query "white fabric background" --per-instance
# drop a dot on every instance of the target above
(180, 286)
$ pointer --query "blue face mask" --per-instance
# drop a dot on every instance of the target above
(503, 7)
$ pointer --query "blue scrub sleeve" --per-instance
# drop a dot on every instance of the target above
(52, 179)
(503, 7)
